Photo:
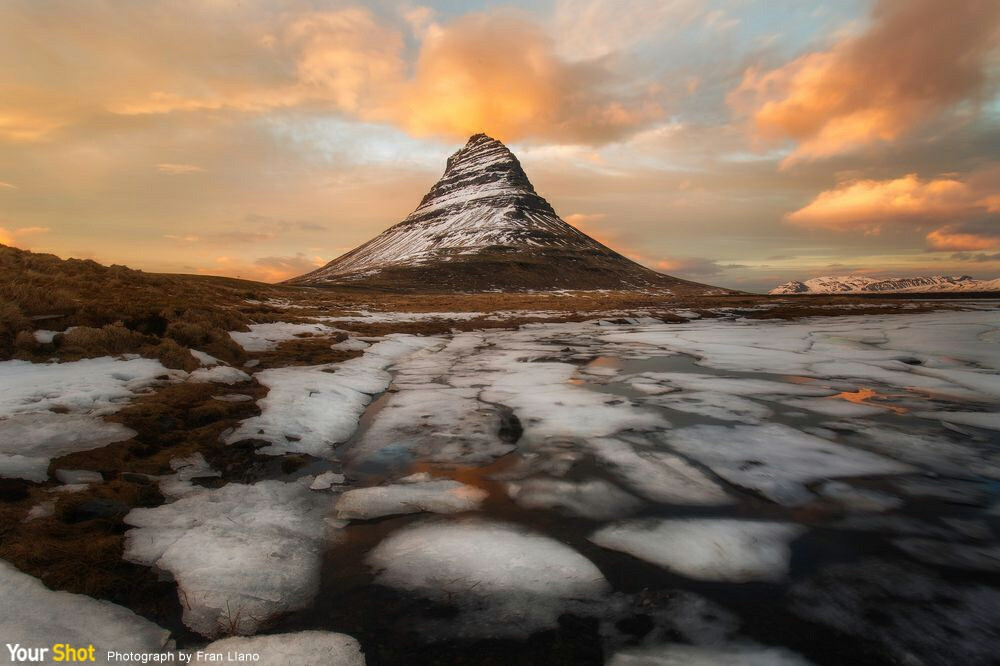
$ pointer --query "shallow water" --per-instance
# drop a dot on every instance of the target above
(842, 540)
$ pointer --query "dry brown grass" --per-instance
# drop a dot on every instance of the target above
(125, 310)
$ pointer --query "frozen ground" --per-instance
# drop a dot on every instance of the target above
(646, 493)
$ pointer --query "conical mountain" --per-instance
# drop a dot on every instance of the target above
(483, 227)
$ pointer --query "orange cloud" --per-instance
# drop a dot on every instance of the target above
(950, 239)
(493, 72)
(916, 59)
(868, 204)
(177, 169)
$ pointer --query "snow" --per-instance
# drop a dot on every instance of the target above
(303, 648)
(444, 496)
(835, 407)
(219, 374)
(95, 385)
(177, 485)
(309, 409)
(265, 337)
(350, 344)
(233, 397)
(594, 499)
(326, 480)
(776, 460)
(870, 348)
(707, 549)
(676, 654)
(987, 420)
(28, 442)
(46, 337)
(240, 554)
(508, 581)
(859, 499)
(204, 358)
(33, 615)
(43, 509)
(73, 476)
(548, 406)
(737, 386)
(658, 475)
(720, 406)
(927, 620)
(975, 557)
(860, 284)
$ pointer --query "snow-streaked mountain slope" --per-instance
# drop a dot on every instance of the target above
(483, 226)
(860, 284)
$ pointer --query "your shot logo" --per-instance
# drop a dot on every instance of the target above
(60, 652)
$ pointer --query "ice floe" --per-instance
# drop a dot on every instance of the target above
(741, 386)
(302, 648)
(309, 409)
(595, 499)
(707, 549)
(776, 460)
(265, 337)
(350, 344)
(677, 654)
(51, 409)
(926, 620)
(658, 475)
(326, 480)
(240, 554)
(204, 358)
(33, 615)
(443, 496)
(859, 499)
(973, 556)
(507, 580)
(177, 485)
(988, 420)
(71, 476)
(29, 441)
(719, 406)
(219, 374)
(92, 385)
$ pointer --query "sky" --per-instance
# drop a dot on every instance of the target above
(741, 143)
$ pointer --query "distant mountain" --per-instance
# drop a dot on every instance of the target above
(483, 227)
(860, 284)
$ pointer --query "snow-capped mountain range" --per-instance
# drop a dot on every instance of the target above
(861, 284)
(482, 226)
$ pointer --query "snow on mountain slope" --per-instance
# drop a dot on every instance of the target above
(860, 284)
(483, 226)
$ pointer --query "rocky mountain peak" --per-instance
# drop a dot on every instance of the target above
(482, 226)
(482, 169)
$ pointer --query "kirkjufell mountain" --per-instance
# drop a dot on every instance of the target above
(483, 227)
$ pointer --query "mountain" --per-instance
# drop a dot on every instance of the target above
(483, 227)
(860, 284)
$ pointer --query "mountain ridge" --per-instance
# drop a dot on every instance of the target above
(482, 226)
(861, 284)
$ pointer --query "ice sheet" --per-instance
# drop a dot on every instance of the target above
(508, 581)
(240, 554)
(707, 549)
(34, 616)
(443, 496)
(776, 460)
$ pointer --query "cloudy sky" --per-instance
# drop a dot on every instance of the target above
(736, 142)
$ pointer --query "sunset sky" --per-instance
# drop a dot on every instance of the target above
(736, 142)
